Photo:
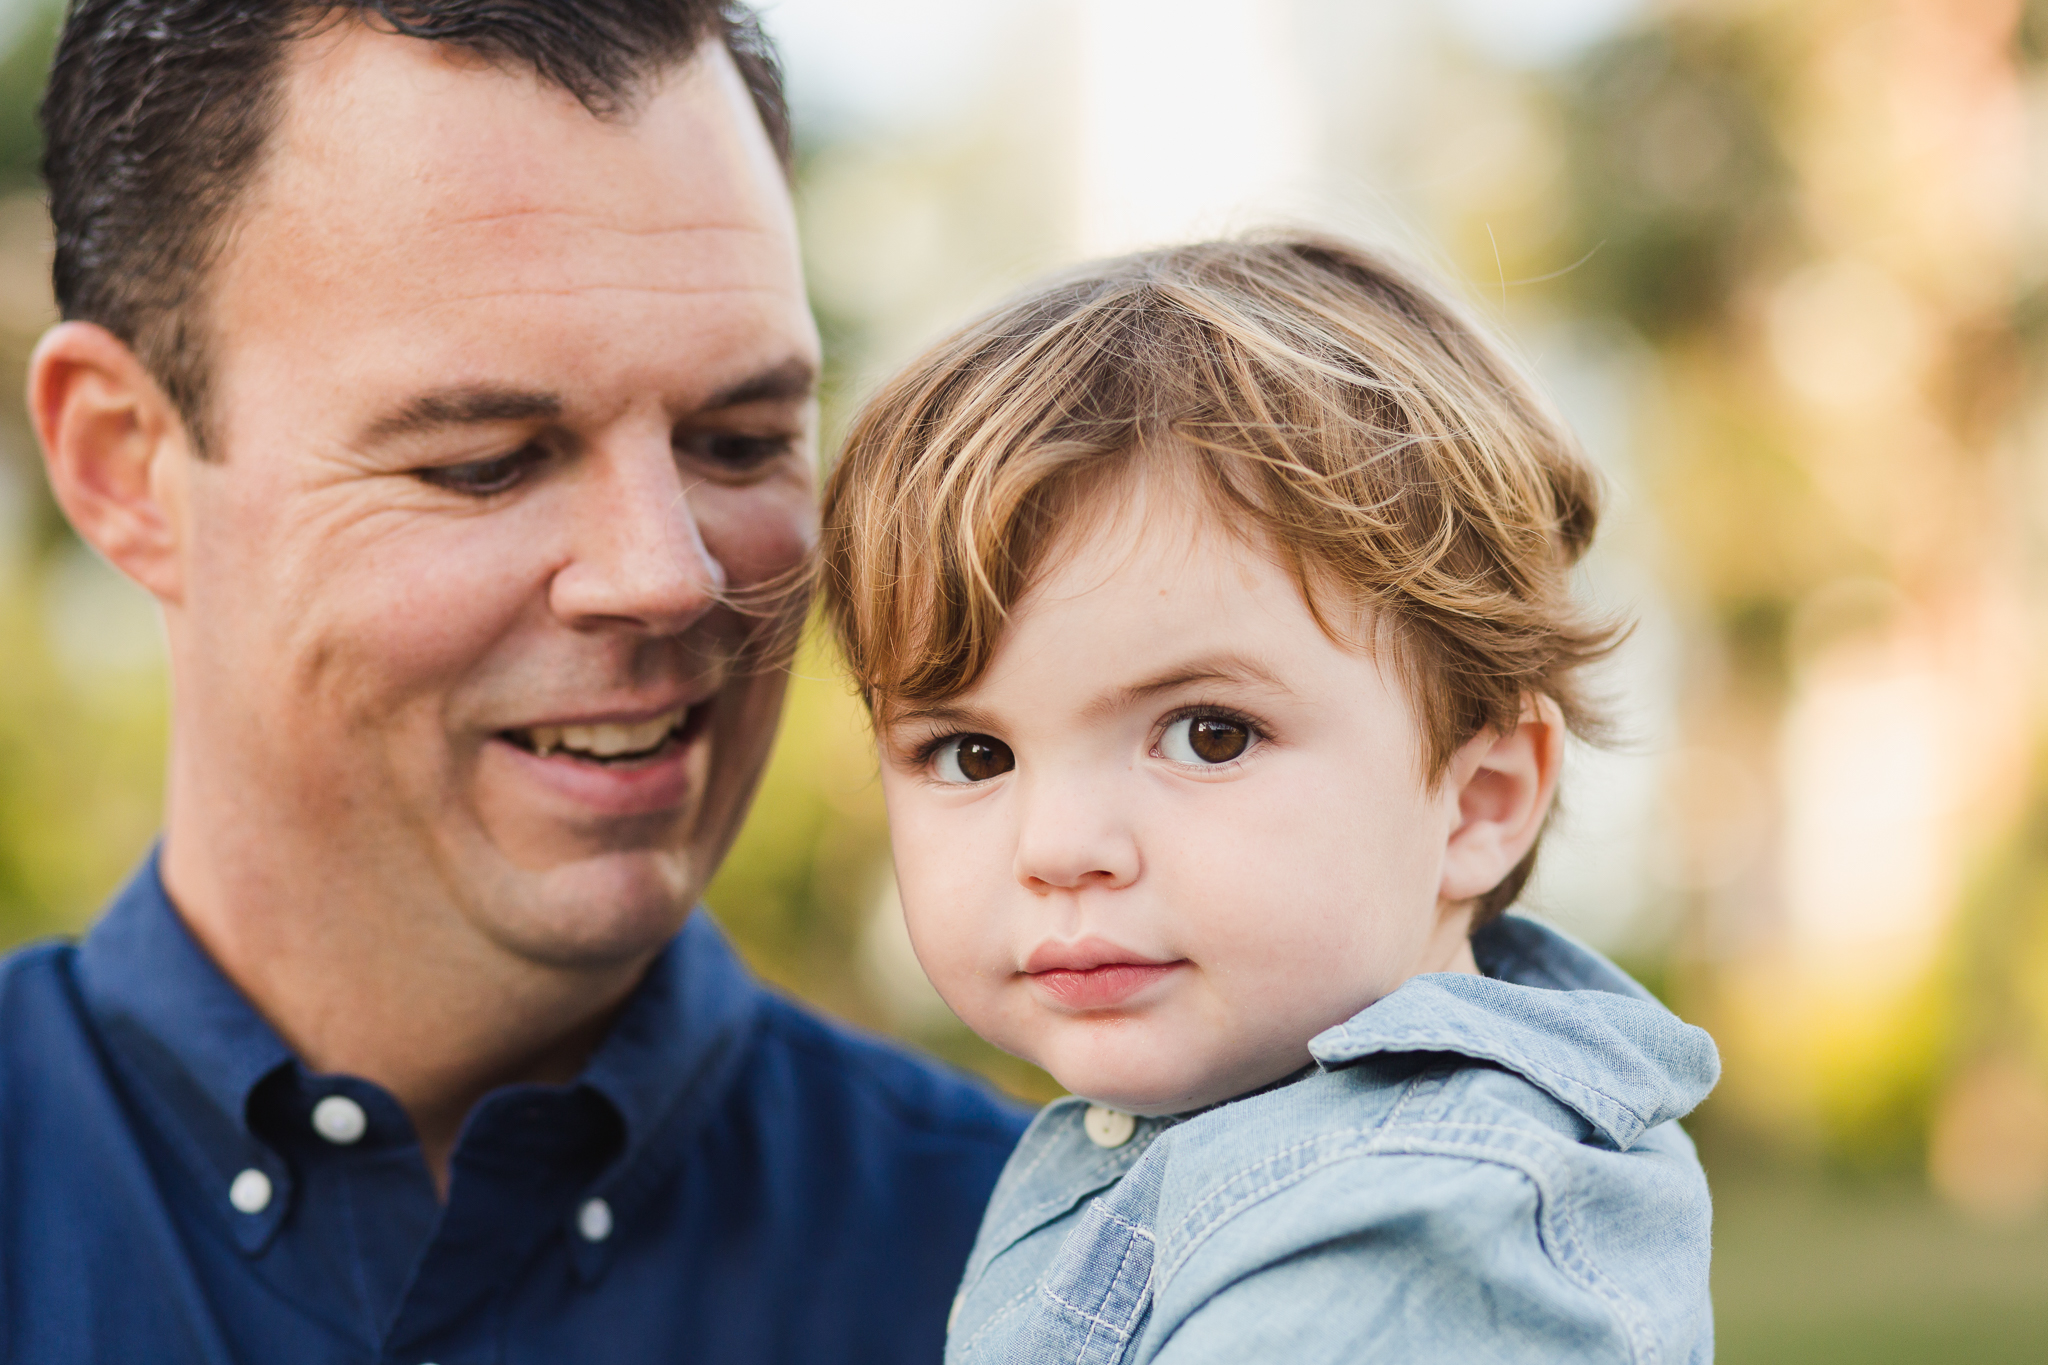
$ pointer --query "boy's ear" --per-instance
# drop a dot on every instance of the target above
(1503, 785)
(115, 450)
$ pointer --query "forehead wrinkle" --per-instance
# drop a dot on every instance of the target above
(577, 216)
(574, 290)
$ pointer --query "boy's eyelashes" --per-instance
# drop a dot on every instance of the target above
(1196, 737)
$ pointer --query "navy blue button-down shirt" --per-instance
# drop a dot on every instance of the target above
(731, 1179)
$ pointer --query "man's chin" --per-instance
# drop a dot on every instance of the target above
(600, 910)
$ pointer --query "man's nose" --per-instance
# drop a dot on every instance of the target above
(1073, 836)
(639, 557)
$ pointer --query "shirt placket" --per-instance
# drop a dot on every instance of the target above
(519, 1204)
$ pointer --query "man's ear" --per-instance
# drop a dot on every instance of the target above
(115, 450)
(1503, 785)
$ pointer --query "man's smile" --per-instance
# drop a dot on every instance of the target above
(611, 742)
(622, 763)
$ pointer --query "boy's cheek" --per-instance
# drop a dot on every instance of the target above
(950, 933)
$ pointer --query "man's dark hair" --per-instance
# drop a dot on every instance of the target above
(158, 111)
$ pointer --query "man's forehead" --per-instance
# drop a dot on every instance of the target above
(397, 150)
(426, 221)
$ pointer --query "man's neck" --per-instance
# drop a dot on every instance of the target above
(438, 1020)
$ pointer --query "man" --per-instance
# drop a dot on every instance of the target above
(443, 368)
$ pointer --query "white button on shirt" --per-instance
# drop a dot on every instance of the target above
(251, 1191)
(594, 1220)
(340, 1120)
(1108, 1127)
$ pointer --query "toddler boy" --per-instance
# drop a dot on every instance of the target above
(1214, 609)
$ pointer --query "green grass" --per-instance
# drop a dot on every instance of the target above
(1813, 1271)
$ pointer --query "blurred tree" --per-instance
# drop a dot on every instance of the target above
(1811, 212)
(81, 686)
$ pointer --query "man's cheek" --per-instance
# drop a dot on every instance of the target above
(760, 532)
(422, 613)
(369, 671)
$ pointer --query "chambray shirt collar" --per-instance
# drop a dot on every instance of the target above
(200, 1049)
(1567, 1022)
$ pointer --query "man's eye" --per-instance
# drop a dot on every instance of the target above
(964, 759)
(481, 478)
(1205, 739)
(729, 450)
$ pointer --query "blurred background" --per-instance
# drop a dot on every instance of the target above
(1781, 261)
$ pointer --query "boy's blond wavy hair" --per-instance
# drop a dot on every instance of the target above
(1329, 405)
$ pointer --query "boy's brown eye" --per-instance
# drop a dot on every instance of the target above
(1205, 739)
(972, 758)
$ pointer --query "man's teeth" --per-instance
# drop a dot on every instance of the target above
(603, 741)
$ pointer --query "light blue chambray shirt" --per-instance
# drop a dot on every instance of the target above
(1479, 1168)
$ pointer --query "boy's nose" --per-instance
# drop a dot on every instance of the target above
(1069, 842)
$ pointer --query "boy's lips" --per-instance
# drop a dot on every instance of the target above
(1094, 973)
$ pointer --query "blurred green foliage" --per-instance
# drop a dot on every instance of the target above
(21, 87)
(1678, 188)
(82, 704)
(1712, 153)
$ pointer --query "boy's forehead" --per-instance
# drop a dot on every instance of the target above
(1151, 515)
(1150, 589)
(1163, 526)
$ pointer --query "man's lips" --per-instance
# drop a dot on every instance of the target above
(1094, 973)
(612, 740)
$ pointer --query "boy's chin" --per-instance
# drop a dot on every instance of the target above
(1152, 1096)
(1167, 1088)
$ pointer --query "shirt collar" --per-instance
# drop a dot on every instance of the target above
(1568, 1021)
(193, 1048)
(158, 996)
(197, 1042)
(676, 1043)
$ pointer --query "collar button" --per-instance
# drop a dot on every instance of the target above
(340, 1120)
(594, 1220)
(250, 1193)
(1108, 1127)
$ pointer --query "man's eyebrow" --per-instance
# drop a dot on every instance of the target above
(794, 378)
(462, 407)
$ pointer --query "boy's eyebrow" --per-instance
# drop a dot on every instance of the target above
(1217, 668)
(942, 714)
